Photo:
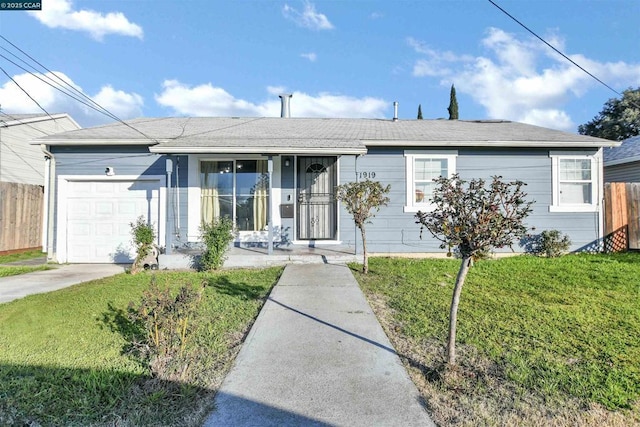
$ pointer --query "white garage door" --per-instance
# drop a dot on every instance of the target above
(99, 214)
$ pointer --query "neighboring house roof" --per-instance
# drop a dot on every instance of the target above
(7, 120)
(628, 152)
(294, 135)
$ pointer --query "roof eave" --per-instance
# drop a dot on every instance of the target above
(87, 142)
(253, 150)
(621, 161)
(526, 144)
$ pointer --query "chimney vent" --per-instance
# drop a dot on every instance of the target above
(395, 111)
(285, 111)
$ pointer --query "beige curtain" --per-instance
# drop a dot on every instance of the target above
(209, 200)
(260, 197)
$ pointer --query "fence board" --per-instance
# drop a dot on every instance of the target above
(633, 200)
(622, 216)
(21, 214)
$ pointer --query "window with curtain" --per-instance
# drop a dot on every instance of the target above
(237, 189)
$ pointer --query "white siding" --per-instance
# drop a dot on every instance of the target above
(21, 162)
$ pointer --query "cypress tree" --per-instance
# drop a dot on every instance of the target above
(419, 111)
(453, 105)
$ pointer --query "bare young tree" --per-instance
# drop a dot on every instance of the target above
(363, 200)
(473, 219)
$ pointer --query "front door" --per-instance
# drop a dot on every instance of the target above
(316, 198)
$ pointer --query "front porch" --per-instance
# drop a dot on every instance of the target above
(258, 257)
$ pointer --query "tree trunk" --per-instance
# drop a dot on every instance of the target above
(453, 313)
(365, 256)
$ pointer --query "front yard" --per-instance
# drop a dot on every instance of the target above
(64, 356)
(540, 341)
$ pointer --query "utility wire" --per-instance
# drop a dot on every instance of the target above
(62, 90)
(560, 53)
(65, 83)
(26, 93)
(19, 121)
(97, 107)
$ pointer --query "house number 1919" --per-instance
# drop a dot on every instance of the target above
(365, 175)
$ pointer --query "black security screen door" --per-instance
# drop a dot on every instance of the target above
(316, 199)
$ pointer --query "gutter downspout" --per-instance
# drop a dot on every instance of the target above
(50, 200)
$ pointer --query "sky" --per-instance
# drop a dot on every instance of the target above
(158, 58)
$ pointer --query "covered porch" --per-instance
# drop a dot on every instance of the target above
(258, 256)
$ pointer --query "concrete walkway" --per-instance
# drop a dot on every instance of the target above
(61, 276)
(317, 356)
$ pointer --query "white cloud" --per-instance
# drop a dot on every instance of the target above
(60, 14)
(123, 105)
(311, 56)
(308, 18)
(208, 100)
(520, 79)
(119, 103)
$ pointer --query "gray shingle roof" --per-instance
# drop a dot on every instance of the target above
(629, 151)
(277, 135)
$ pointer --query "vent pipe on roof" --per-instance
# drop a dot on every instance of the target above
(395, 111)
(285, 111)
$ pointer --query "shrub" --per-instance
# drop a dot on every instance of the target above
(551, 243)
(216, 237)
(143, 237)
(163, 324)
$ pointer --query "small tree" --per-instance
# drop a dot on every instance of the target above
(473, 219)
(453, 104)
(363, 200)
(142, 236)
(419, 111)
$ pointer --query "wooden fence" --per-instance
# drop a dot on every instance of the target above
(21, 215)
(621, 216)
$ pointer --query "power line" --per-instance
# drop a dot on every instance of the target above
(26, 93)
(100, 109)
(559, 52)
(91, 103)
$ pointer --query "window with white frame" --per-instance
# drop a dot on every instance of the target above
(575, 183)
(422, 168)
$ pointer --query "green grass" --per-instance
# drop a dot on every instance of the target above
(14, 270)
(565, 328)
(64, 359)
(21, 256)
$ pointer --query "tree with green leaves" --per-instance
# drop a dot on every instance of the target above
(453, 104)
(419, 111)
(473, 219)
(363, 199)
(618, 120)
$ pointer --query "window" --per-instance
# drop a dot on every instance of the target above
(422, 168)
(236, 189)
(575, 183)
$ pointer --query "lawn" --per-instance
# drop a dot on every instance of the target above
(12, 270)
(541, 341)
(64, 356)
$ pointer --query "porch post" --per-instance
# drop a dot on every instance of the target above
(168, 241)
(269, 206)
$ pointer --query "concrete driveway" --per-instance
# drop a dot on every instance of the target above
(62, 276)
